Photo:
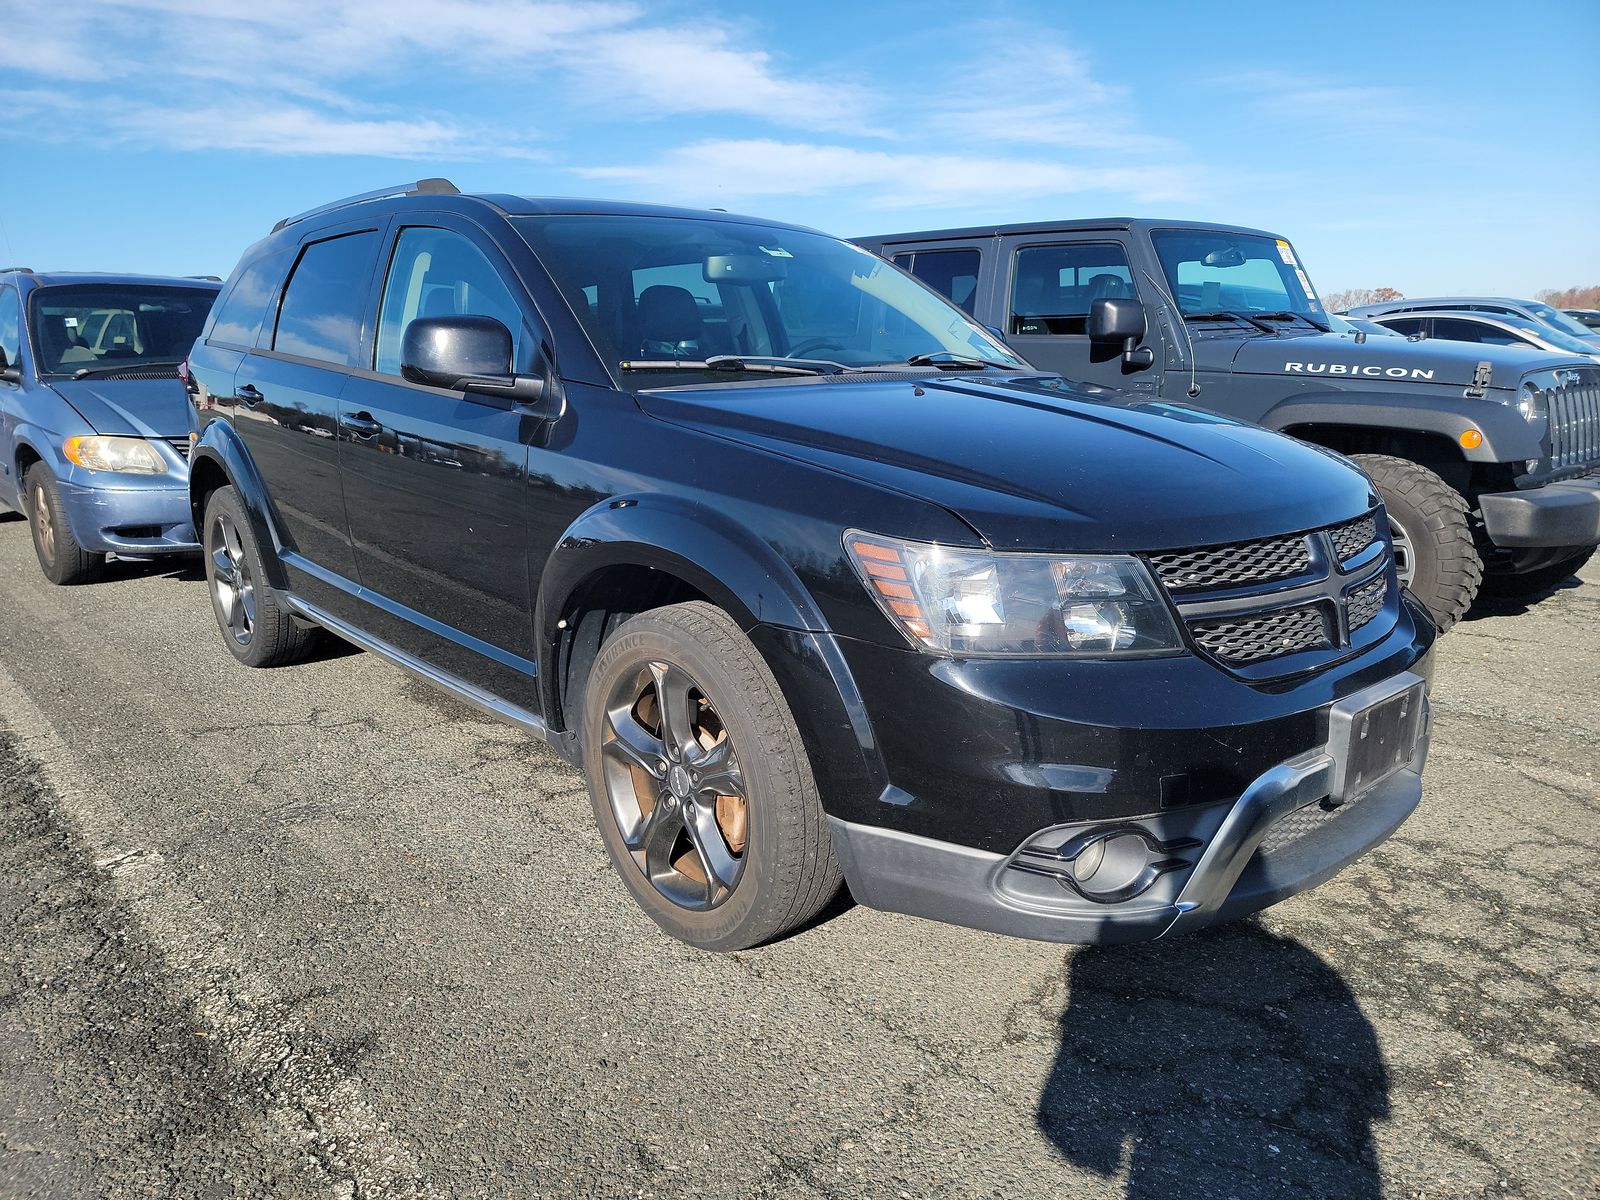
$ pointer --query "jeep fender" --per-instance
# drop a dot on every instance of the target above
(1507, 437)
(745, 577)
(220, 447)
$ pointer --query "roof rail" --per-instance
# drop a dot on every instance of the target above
(422, 187)
(207, 278)
(16, 270)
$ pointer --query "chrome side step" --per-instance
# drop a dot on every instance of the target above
(460, 688)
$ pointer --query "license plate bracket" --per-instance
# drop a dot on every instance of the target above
(1374, 733)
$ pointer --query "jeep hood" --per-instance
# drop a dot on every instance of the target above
(1038, 463)
(1375, 361)
(132, 407)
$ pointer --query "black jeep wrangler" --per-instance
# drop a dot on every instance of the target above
(1487, 457)
(810, 573)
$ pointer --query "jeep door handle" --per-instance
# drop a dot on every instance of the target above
(361, 424)
(250, 394)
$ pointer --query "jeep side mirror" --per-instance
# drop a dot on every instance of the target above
(1121, 319)
(467, 354)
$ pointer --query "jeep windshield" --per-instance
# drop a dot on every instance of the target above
(691, 300)
(1216, 275)
(83, 330)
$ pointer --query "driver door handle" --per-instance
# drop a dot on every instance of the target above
(361, 424)
(250, 394)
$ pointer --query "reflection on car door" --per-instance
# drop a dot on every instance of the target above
(435, 481)
(285, 402)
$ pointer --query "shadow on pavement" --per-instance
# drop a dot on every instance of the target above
(1229, 1063)
(1490, 605)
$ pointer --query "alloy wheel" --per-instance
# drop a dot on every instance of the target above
(1405, 561)
(44, 527)
(233, 587)
(675, 786)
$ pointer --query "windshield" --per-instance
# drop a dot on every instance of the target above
(98, 327)
(1338, 324)
(654, 292)
(1210, 271)
(1557, 319)
(1552, 337)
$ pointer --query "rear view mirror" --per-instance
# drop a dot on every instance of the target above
(742, 268)
(1120, 319)
(1228, 256)
(465, 353)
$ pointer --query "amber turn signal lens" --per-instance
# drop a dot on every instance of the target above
(1472, 439)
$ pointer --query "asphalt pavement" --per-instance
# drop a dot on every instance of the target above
(324, 932)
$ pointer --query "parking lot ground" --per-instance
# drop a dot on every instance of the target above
(323, 932)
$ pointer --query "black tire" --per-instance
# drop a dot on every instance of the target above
(255, 625)
(1433, 521)
(61, 558)
(786, 868)
(1540, 579)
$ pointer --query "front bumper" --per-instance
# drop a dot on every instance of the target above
(1290, 830)
(130, 522)
(1558, 514)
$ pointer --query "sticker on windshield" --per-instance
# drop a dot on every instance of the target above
(1304, 282)
(775, 251)
(1285, 253)
(72, 322)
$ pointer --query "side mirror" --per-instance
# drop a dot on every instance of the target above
(468, 354)
(9, 373)
(997, 333)
(1121, 319)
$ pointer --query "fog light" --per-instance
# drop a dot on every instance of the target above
(1108, 865)
(1113, 866)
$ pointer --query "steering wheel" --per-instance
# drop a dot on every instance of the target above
(812, 344)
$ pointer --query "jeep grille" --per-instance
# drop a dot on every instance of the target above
(1574, 426)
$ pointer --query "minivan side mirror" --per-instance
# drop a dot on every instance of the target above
(468, 354)
(1120, 319)
(9, 371)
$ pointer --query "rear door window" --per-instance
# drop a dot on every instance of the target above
(1052, 287)
(951, 273)
(325, 300)
(244, 308)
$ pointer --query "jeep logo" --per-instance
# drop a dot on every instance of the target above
(1294, 368)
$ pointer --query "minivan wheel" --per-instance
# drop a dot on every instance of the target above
(700, 783)
(255, 626)
(61, 558)
(1431, 525)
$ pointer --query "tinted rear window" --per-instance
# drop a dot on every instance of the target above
(245, 304)
(324, 301)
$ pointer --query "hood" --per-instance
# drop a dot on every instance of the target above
(1038, 463)
(1338, 356)
(134, 407)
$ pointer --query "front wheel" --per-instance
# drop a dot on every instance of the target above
(61, 558)
(700, 784)
(1430, 523)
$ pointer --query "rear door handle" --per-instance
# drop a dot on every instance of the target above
(361, 424)
(250, 394)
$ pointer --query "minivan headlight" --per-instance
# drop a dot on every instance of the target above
(123, 455)
(957, 601)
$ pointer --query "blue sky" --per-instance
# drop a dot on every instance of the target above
(1431, 147)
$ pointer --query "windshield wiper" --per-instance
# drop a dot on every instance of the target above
(733, 363)
(1220, 315)
(948, 358)
(1286, 315)
(132, 364)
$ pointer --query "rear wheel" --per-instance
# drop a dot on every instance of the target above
(1429, 520)
(256, 628)
(1540, 579)
(700, 784)
(61, 558)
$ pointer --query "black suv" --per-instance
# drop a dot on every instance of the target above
(809, 572)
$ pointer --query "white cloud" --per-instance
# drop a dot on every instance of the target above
(717, 170)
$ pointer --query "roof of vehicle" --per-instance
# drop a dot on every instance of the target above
(1509, 301)
(41, 279)
(1075, 226)
(442, 194)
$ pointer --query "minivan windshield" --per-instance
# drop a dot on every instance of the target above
(1214, 271)
(98, 329)
(684, 300)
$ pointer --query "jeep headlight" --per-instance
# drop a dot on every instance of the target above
(122, 455)
(957, 601)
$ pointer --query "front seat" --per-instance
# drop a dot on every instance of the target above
(669, 322)
(1106, 286)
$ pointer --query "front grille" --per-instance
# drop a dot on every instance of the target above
(1226, 566)
(1574, 425)
(1351, 538)
(181, 445)
(1240, 641)
(1366, 601)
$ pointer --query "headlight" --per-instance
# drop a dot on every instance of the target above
(124, 455)
(973, 602)
(1534, 403)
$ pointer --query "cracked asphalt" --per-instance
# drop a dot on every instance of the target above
(325, 932)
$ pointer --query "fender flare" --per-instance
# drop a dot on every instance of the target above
(221, 446)
(1507, 437)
